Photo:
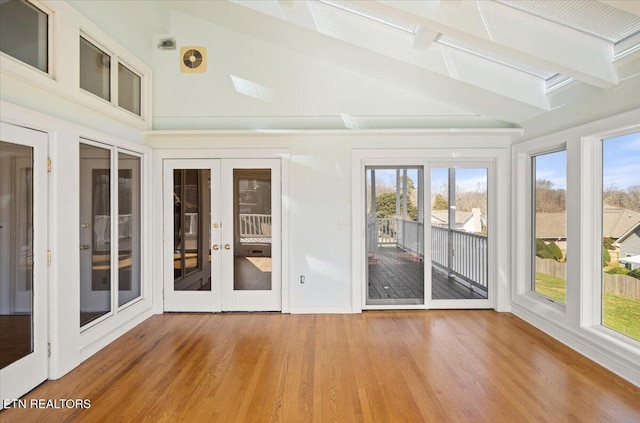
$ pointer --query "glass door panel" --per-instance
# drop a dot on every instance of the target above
(459, 234)
(95, 232)
(251, 222)
(252, 234)
(129, 225)
(16, 261)
(394, 235)
(23, 249)
(191, 231)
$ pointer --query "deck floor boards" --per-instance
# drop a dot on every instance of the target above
(397, 274)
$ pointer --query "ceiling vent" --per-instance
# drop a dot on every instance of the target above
(193, 59)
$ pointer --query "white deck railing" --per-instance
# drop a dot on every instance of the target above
(467, 259)
(255, 227)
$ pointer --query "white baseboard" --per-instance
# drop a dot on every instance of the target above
(606, 357)
(321, 310)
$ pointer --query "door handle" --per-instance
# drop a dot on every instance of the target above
(84, 247)
(227, 246)
(216, 247)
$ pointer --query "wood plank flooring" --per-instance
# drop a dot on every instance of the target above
(437, 365)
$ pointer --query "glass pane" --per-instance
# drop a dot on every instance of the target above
(128, 90)
(394, 235)
(550, 225)
(95, 232)
(252, 219)
(16, 259)
(192, 217)
(621, 234)
(24, 33)
(95, 69)
(459, 234)
(129, 258)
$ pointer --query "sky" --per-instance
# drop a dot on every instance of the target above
(466, 179)
(620, 156)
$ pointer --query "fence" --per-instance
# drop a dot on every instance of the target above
(622, 285)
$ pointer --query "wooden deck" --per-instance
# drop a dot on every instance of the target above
(396, 274)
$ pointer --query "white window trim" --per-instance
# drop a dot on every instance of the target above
(579, 326)
(19, 68)
(66, 26)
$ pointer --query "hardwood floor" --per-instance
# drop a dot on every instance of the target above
(474, 365)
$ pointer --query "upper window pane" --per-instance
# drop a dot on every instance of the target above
(621, 234)
(24, 33)
(95, 69)
(128, 90)
(550, 225)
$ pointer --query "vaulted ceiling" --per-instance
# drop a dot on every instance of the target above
(492, 63)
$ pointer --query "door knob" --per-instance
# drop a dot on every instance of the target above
(216, 247)
(227, 246)
(84, 247)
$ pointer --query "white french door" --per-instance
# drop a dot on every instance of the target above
(23, 260)
(222, 244)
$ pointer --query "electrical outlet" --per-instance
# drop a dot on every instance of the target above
(344, 225)
(301, 278)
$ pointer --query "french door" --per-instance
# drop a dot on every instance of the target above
(222, 244)
(23, 260)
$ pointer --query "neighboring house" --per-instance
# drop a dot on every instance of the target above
(616, 221)
(465, 221)
(629, 244)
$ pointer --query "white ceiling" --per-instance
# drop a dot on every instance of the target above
(494, 63)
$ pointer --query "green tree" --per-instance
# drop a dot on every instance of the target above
(386, 206)
(440, 202)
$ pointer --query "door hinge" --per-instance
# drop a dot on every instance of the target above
(48, 164)
(48, 257)
(48, 349)
(162, 236)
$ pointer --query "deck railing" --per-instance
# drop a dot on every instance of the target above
(255, 226)
(467, 259)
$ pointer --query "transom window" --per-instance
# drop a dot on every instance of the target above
(122, 88)
(24, 33)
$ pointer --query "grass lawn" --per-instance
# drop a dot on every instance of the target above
(621, 314)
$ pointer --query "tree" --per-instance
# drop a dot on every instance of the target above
(548, 198)
(386, 206)
(440, 202)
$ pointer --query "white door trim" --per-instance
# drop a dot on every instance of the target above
(159, 155)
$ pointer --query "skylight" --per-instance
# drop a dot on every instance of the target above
(591, 17)
(495, 56)
(362, 9)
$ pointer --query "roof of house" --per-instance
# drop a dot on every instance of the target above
(635, 228)
(617, 221)
(443, 216)
(551, 225)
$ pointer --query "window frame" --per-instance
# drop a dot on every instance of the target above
(114, 211)
(17, 66)
(114, 80)
(593, 291)
(532, 222)
(577, 325)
